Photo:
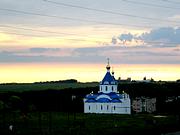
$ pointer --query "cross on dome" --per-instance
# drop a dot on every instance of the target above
(112, 71)
(108, 65)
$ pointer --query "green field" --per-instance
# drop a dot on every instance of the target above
(21, 87)
(56, 123)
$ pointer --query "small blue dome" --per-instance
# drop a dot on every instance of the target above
(115, 95)
(108, 79)
(90, 101)
(116, 100)
(100, 93)
(103, 100)
(91, 96)
(112, 93)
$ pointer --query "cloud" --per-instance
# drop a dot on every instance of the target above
(45, 52)
(118, 54)
(175, 17)
(167, 34)
(126, 37)
(176, 50)
(161, 37)
(114, 40)
(41, 50)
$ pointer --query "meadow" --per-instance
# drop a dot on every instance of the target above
(56, 123)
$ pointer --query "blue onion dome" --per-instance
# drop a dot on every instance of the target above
(108, 67)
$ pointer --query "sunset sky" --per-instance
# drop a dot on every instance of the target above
(44, 40)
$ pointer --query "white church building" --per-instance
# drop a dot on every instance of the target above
(108, 100)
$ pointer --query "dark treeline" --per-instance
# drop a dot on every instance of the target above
(60, 81)
(71, 100)
(153, 89)
(46, 82)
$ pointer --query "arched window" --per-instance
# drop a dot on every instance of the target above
(89, 107)
(106, 88)
(101, 107)
(114, 107)
(107, 107)
(112, 88)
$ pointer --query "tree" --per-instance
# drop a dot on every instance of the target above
(1, 105)
(15, 103)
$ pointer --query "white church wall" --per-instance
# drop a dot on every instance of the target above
(107, 108)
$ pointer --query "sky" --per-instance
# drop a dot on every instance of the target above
(43, 40)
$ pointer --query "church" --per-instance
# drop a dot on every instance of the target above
(108, 100)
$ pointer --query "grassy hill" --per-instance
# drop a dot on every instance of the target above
(21, 87)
